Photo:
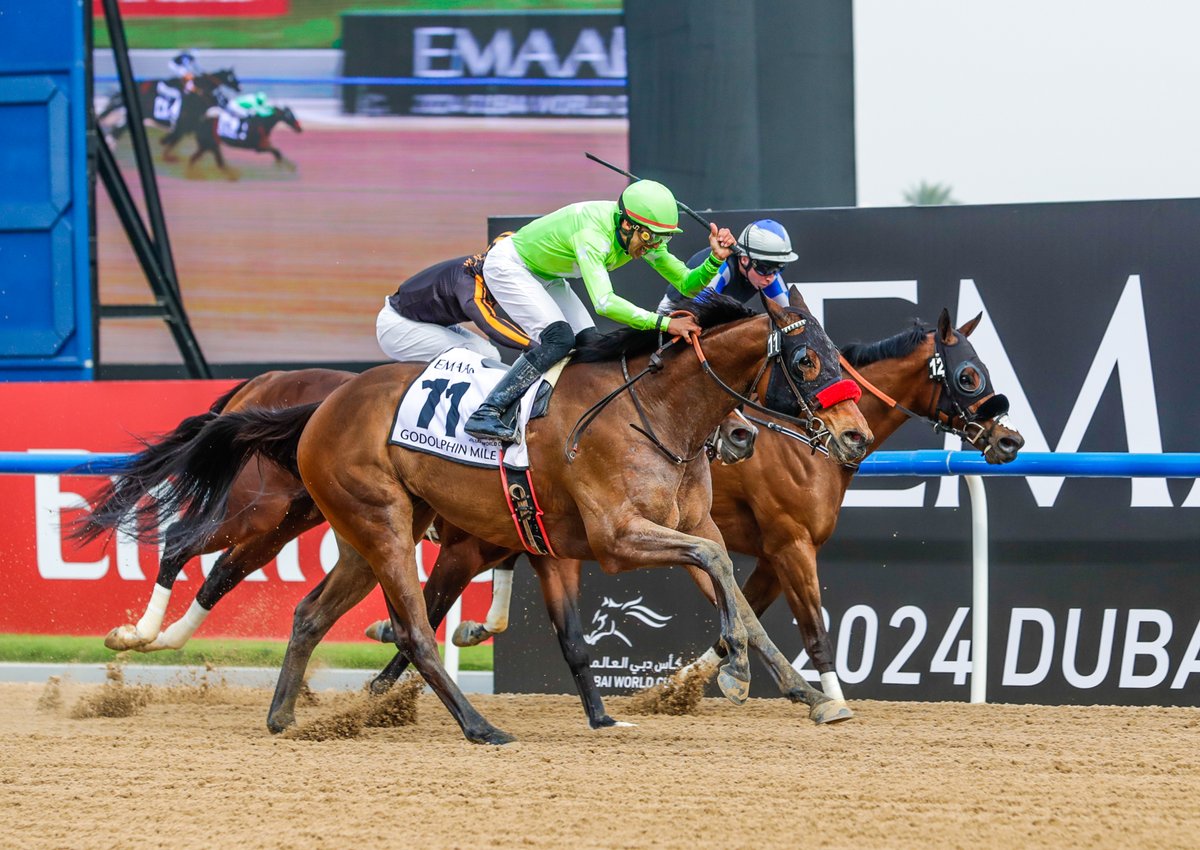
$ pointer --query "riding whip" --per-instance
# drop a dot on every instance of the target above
(678, 203)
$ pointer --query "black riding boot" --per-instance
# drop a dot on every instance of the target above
(485, 423)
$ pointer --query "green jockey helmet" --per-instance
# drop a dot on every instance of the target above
(651, 205)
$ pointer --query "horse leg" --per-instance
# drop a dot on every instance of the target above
(347, 584)
(642, 543)
(471, 633)
(369, 523)
(560, 590)
(145, 630)
(822, 708)
(462, 557)
(760, 590)
(169, 142)
(228, 572)
(229, 172)
(796, 567)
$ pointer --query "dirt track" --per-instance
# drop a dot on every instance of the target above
(199, 769)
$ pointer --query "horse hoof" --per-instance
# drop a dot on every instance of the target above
(607, 722)
(830, 711)
(493, 736)
(470, 633)
(279, 724)
(736, 690)
(381, 630)
(125, 637)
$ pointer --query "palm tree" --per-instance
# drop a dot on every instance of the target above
(926, 194)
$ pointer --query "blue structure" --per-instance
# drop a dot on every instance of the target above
(47, 328)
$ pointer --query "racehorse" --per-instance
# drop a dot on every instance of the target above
(626, 503)
(251, 132)
(268, 506)
(179, 104)
(932, 375)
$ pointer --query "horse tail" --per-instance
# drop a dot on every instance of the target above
(199, 489)
(219, 405)
(148, 469)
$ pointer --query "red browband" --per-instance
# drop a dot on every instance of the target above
(843, 390)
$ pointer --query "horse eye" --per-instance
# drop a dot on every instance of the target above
(968, 379)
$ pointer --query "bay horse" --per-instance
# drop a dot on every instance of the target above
(627, 503)
(932, 375)
(251, 132)
(176, 103)
(267, 506)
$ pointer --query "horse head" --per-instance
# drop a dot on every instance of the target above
(289, 118)
(806, 381)
(967, 402)
(225, 77)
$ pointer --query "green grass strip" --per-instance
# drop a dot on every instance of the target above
(309, 24)
(60, 649)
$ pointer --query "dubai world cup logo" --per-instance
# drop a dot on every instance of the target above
(614, 618)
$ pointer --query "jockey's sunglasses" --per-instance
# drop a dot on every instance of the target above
(767, 269)
(652, 239)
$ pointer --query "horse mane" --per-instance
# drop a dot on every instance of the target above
(900, 345)
(710, 309)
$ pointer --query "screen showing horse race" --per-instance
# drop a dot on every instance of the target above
(313, 154)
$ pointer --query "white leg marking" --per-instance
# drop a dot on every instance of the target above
(497, 618)
(179, 632)
(831, 686)
(151, 623)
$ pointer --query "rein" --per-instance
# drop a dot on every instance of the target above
(813, 424)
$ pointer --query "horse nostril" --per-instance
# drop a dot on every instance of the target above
(740, 437)
(1011, 445)
(854, 438)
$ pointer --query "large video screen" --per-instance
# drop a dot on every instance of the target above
(363, 146)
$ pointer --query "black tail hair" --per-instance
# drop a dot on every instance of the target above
(194, 482)
(149, 468)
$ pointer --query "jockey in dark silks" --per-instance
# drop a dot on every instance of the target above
(756, 267)
(420, 320)
(528, 275)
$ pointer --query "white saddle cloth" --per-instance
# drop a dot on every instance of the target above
(431, 415)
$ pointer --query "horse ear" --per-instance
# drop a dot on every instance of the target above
(966, 329)
(777, 313)
(945, 329)
(795, 299)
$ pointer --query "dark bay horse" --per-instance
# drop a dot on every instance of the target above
(251, 132)
(267, 507)
(931, 375)
(626, 502)
(178, 104)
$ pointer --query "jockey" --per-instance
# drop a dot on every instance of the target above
(251, 104)
(762, 252)
(528, 273)
(421, 319)
(184, 64)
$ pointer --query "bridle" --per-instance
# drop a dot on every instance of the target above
(945, 402)
(817, 434)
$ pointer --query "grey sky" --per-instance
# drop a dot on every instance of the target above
(1027, 101)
